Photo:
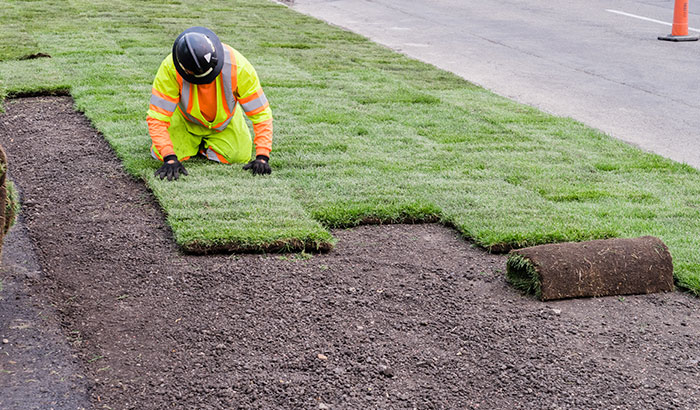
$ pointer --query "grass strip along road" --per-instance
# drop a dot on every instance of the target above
(361, 134)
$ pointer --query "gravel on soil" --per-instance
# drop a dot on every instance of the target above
(397, 316)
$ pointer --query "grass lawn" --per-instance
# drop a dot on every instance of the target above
(361, 134)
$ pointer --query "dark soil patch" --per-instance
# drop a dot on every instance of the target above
(34, 56)
(396, 316)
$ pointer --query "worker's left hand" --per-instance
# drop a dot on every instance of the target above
(259, 166)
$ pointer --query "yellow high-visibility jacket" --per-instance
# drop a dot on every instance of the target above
(209, 105)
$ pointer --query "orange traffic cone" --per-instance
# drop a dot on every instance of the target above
(679, 32)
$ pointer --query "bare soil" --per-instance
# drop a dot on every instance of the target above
(397, 316)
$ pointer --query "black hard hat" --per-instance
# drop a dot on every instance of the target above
(198, 55)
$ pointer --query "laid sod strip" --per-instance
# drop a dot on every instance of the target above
(593, 268)
(362, 134)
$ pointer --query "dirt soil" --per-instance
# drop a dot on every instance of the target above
(38, 368)
(397, 316)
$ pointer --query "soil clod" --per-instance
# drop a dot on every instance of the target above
(34, 56)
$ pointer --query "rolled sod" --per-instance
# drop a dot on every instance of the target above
(593, 268)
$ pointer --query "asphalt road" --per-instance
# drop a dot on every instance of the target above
(38, 369)
(597, 61)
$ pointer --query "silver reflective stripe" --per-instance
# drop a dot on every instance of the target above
(255, 104)
(185, 95)
(226, 78)
(224, 125)
(163, 103)
(153, 154)
(211, 155)
(191, 118)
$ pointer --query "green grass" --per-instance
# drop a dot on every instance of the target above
(362, 134)
(11, 205)
(521, 273)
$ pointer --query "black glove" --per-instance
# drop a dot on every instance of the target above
(260, 166)
(172, 168)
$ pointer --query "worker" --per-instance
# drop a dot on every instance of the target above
(194, 107)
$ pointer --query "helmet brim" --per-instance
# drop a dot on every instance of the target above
(219, 53)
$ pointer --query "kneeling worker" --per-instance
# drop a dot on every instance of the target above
(193, 107)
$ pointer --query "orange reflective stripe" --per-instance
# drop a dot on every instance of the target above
(190, 101)
(160, 110)
(221, 158)
(164, 96)
(258, 110)
(251, 97)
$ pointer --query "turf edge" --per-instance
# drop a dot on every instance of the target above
(290, 245)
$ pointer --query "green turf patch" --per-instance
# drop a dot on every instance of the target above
(362, 135)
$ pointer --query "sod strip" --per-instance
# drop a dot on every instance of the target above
(361, 134)
(593, 268)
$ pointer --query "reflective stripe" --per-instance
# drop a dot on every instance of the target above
(226, 78)
(253, 105)
(164, 96)
(154, 155)
(167, 114)
(163, 103)
(211, 155)
(224, 124)
(191, 118)
(215, 156)
(185, 95)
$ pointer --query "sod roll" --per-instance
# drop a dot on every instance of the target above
(594, 268)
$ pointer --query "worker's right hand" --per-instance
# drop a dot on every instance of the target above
(172, 168)
(259, 166)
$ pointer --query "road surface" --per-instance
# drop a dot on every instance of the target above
(599, 62)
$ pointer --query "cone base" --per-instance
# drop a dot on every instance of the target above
(671, 37)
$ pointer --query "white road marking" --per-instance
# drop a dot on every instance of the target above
(648, 19)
